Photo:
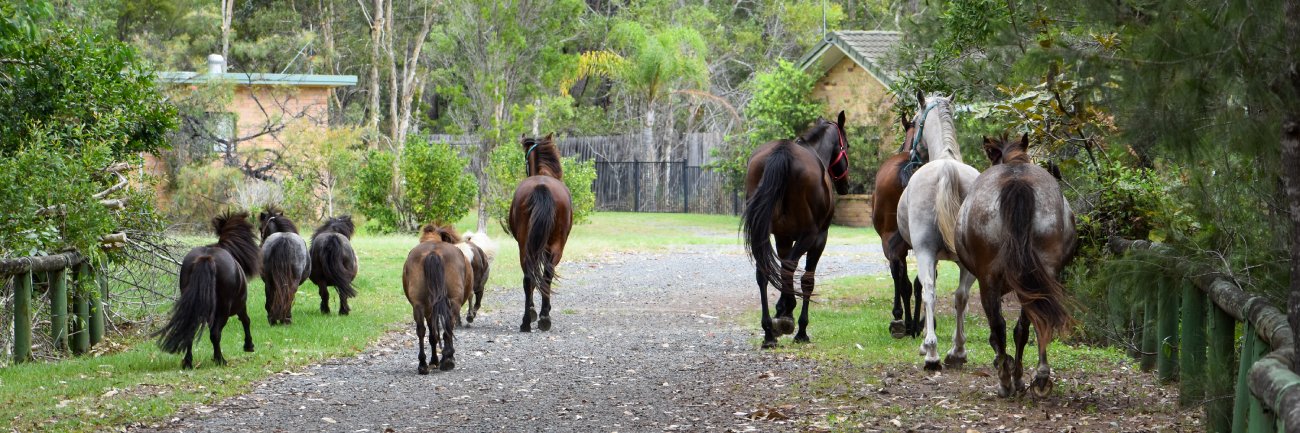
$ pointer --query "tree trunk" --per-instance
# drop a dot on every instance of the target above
(227, 15)
(537, 116)
(334, 111)
(1291, 164)
(376, 39)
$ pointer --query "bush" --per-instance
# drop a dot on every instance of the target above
(436, 187)
(371, 191)
(203, 191)
(506, 169)
(782, 107)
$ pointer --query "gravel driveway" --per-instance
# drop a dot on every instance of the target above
(641, 342)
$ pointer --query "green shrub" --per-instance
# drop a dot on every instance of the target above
(371, 192)
(203, 191)
(782, 107)
(436, 187)
(506, 169)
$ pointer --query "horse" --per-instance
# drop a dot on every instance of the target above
(788, 187)
(541, 216)
(214, 286)
(333, 263)
(479, 261)
(927, 219)
(891, 178)
(285, 264)
(435, 279)
(1015, 232)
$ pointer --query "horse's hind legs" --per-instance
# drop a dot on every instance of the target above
(956, 357)
(188, 362)
(419, 336)
(806, 283)
(769, 337)
(448, 350)
(991, 298)
(1021, 336)
(544, 322)
(248, 333)
(215, 336)
(529, 314)
(902, 325)
(1042, 384)
(325, 298)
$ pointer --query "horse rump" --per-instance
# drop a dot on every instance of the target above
(334, 263)
(1023, 270)
(195, 309)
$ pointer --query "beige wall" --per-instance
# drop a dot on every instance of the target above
(280, 106)
(864, 99)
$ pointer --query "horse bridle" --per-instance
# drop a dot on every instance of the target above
(915, 154)
(528, 167)
(842, 157)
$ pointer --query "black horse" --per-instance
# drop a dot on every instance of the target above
(333, 263)
(214, 286)
(284, 264)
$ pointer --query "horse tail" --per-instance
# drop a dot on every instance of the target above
(435, 280)
(947, 203)
(195, 309)
(1022, 270)
(759, 207)
(279, 275)
(338, 263)
(541, 223)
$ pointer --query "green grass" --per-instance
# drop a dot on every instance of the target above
(137, 382)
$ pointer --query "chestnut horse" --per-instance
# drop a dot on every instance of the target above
(541, 216)
(285, 264)
(789, 188)
(1016, 232)
(436, 277)
(214, 286)
(927, 219)
(890, 181)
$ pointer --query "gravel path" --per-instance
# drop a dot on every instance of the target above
(641, 342)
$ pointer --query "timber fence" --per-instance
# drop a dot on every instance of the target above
(76, 292)
(1188, 332)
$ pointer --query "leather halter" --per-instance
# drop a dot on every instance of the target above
(915, 160)
(842, 156)
(528, 167)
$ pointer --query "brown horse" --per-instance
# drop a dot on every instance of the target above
(435, 278)
(1015, 232)
(890, 181)
(214, 286)
(789, 188)
(541, 216)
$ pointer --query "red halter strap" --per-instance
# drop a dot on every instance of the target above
(841, 156)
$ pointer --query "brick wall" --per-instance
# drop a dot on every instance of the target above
(864, 99)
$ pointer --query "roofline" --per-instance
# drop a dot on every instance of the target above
(833, 38)
(300, 80)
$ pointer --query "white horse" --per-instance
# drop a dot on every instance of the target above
(927, 218)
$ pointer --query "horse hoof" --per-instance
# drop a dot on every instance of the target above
(803, 338)
(248, 348)
(326, 310)
(526, 327)
(897, 329)
(1042, 386)
(532, 316)
(286, 322)
(219, 361)
(1004, 392)
(784, 325)
(933, 366)
(469, 318)
(447, 364)
(422, 369)
(187, 366)
(344, 312)
(769, 344)
(956, 362)
(544, 323)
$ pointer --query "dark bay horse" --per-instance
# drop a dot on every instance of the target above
(890, 181)
(285, 264)
(789, 196)
(436, 278)
(333, 263)
(1016, 232)
(214, 286)
(541, 216)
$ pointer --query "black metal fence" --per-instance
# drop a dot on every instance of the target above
(660, 186)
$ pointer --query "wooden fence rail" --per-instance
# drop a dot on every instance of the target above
(1267, 396)
(80, 331)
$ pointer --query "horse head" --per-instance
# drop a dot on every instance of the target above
(542, 157)
(272, 220)
(439, 233)
(1004, 151)
(936, 138)
(827, 140)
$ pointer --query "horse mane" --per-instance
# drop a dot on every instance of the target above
(1004, 150)
(439, 233)
(235, 235)
(909, 133)
(814, 133)
(948, 132)
(342, 225)
(546, 156)
(273, 220)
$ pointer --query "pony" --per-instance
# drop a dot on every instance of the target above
(891, 178)
(480, 251)
(1015, 232)
(927, 218)
(788, 187)
(214, 286)
(285, 264)
(541, 216)
(333, 263)
(435, 278)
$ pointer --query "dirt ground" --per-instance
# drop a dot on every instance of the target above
(661, 342)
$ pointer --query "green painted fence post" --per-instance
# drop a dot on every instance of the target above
(96, 304)
(59, 308)
(1150, 342)
(1259, 420)
(1191, 356)
(80, 318)
(1241, 403)
(1167, 332)
(1218, 407)
(23, 317)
